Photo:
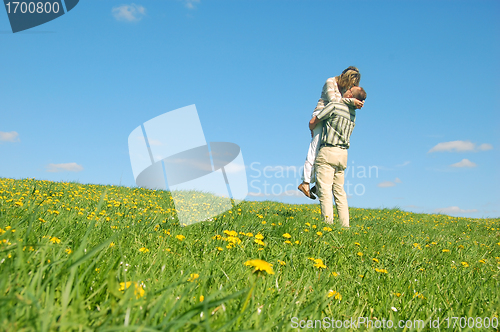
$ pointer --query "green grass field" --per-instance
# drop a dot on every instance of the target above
(79, 257)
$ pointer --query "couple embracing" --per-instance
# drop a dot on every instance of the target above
(331, 126)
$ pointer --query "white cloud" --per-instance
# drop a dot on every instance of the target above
(485, 146)
(453, 210)
(464, 163)
(403, 164)
(191, 3)
(69, 167)
(129, 13)
(387, 184)
(460, 146)
(9, 137)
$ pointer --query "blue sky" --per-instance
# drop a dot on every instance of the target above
(73, 89)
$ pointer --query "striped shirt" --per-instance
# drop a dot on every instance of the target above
(338, 124)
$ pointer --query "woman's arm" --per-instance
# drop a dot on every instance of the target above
(332, 91)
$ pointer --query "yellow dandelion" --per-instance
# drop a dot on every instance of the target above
(465, 264)
(288, 242)
(144, 250)
(202, 298)
(231, 233)
(138, 288)
(193, 277)
(360, 254)
(381, 270)
(319, 233)
(445, 250)
(482, 261)
(55, 240)
(69, 251)
(297, 242)
(259, 236)
(335, 294)
(260, 265)
(112, 244)
(281, 262)
(327, 229)
(286, 235)
(335, 274)
(258, 241)
(375, 260)
(180, 237)
(249, 234)
(357, 243)
(219, 248)
(319, 263)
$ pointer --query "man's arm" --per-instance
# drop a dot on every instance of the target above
(353, 102)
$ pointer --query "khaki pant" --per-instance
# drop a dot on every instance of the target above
(330, 165)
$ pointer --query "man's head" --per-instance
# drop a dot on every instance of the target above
(356, 92)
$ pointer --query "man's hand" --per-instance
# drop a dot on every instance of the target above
(358, 103)
(313, 122)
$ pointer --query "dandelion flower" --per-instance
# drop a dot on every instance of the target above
(258, 241)
(360, 254)
(286, 235)
(319, 263)
(138, 288)
(260, 265)
(375, 260)
(180, 237)
(335, 294)
(55, 240)
(465, 264)
(259, 236)
(446, 250)
(144, 250)
(193, 277)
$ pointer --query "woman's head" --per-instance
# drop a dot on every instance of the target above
(350, 77)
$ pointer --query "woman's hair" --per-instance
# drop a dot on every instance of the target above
(350, 77)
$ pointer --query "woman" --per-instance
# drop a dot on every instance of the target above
(333, 91)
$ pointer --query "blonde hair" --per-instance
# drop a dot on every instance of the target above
(350, 77)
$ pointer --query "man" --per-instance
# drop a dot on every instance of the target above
(331, 161)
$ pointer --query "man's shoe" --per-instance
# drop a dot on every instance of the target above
(314, 190)
(304, 187)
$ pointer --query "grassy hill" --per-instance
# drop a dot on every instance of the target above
(107, 258)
